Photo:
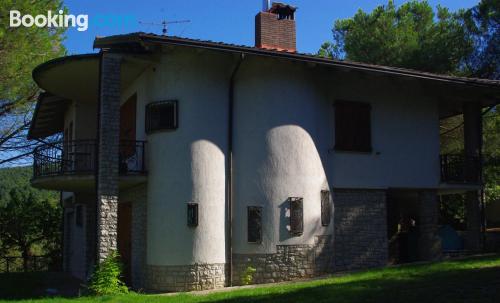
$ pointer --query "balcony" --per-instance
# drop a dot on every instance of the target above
(72, 166)
(459, 169)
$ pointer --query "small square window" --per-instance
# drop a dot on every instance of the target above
(192, 214)
(325, 208)
(254, 224)
(161, 116)
(296, 216)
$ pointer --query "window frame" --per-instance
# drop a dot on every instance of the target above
(326, 208)
(296, 224)
(260, 209)
(196, 213)
(348, 130)
(147, 114)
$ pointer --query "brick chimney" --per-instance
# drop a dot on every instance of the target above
(275, 28)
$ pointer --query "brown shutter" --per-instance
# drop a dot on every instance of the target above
(352, 126)
(192, 214)
(254, 221)
(296, 216)
(325, 208)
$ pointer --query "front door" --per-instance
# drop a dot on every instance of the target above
(124, 238)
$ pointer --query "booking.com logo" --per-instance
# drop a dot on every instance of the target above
(60, 19)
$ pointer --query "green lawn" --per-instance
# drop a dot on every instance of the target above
(469, 280)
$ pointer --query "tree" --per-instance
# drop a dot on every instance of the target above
(26, 221)
(21, 49)
(483, 25)
(410, 36)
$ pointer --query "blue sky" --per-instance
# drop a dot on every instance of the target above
(218, 20)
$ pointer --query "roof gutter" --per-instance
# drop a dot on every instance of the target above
(108, 42)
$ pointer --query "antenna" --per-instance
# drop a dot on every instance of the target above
(164, 24)
(266, 5)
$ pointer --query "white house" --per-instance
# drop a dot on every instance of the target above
(197, 160)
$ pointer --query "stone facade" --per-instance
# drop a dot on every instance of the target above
(360, 229)
(107, 173)
(138, 197)
(290, 262)
(472, 236)
(429, 243)
(185, 277)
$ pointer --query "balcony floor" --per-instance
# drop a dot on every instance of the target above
(82, 182)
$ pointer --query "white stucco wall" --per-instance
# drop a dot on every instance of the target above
(283, 147)
(405, 136)
(86, 118)
(280, 146)
(188, 164)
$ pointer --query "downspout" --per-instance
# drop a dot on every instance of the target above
(229, 169)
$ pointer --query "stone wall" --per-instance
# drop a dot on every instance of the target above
(360, 229)
(107, 168)
(138, 197)
(290, 262)
(185, 277)
(429, 243)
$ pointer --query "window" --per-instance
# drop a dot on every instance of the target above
(254, 224)
(296, 216)
(325, 208)
(192, 214)
(353, 126)
(79, 215)
(161, 116)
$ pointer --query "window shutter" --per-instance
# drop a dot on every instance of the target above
(161, 116)
(325, 208)
(296, 216)
(192, 214)
(352, 126)
(254, 222)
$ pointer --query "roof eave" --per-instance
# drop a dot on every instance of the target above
(136, 39)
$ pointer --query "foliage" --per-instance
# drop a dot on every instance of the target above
(26, 220)
(19, 178)
(22, 49)
(452, 211)
(410, 36)
(106, 279)
(464, 280)
(247, 277)
(483, 25)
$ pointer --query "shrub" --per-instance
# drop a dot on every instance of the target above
(106, 279)
(247, 277)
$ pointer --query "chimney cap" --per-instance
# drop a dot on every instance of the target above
(282, 8)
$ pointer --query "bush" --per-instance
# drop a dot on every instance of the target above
(247, 277)
(106, 279)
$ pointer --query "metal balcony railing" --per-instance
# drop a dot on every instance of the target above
(80, 157)
(460, 169)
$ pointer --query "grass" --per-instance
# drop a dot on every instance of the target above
(469, 280)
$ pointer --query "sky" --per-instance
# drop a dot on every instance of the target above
(229, 21)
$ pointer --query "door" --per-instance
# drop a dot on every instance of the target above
(125, 238)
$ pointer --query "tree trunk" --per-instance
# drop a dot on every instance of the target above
(26, 254)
